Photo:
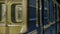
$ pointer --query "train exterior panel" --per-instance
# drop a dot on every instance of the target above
(13, 16)
(29, 17)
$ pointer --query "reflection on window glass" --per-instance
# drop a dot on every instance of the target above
(16, 13)
(45, 12)
(2, 12)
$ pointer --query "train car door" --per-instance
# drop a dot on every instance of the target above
(17, 16)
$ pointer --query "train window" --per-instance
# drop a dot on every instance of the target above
(46, 12)
(16, 10)
(48, 5)
(51, 11)
(2, 12)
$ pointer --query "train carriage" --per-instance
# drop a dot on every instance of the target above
(13, 16)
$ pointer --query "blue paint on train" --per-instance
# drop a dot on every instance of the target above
(32, 3)
(32, 19)
(53, 28)
(32, 15)
(51, 11)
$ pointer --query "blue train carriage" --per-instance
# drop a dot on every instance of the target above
(13, 16)
(43, 16)
(48, 15)
(32, 17)
(53, 17)
(52, 29)
(39, 23)
(58, 16)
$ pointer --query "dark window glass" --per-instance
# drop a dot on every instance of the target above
(16, 13)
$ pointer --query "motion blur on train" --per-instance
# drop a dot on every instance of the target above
(29, 16)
